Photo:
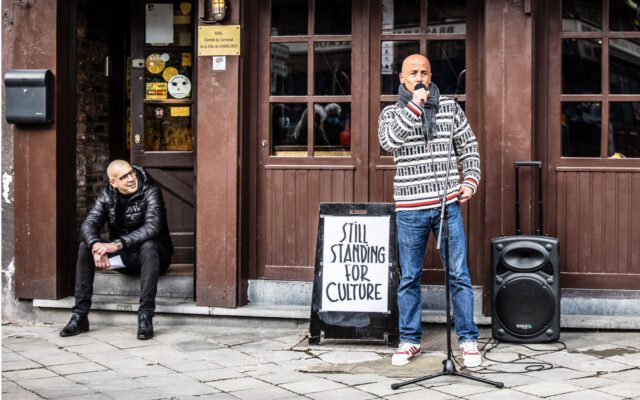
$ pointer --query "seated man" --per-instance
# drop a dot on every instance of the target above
(134, 208)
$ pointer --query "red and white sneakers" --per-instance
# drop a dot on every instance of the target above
(470, 355)
(405, 353)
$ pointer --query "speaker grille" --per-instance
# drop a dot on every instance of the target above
(525, 306)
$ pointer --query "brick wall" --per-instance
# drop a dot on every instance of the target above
(92, 114)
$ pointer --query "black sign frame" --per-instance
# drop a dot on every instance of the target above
(366, 326)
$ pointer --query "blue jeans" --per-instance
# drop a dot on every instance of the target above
(413, 232)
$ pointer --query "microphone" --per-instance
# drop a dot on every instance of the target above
(419, 86)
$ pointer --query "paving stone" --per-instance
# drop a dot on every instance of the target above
(344, 393)
(502, 394)
(269, 392)
(91, 348)
(228, 357)
(422, 394)
(55, 387)
(632, 359)
(217, 374)
(35, 373)
(236, 384)
(8, 355)
(53, 357)
(383, 388)
(214, 396)
(190, 365)
(76, 368)
(547, 389)
(587, 394)
(464, 388)
(354, 379)
(19, 365)
(631, 375)
(622, 389)
(559, 374)
(311, 385)
(278, 377)
(91, 396)
(347, 357)
(593, 382)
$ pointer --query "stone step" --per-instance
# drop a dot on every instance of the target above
(177, 283)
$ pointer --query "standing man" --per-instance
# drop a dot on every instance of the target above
(418, 129)
(133, 206)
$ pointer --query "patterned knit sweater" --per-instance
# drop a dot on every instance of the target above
(421, 168)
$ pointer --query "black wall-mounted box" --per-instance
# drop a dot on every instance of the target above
(29, 96)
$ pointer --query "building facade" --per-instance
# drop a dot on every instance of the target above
(244, 168)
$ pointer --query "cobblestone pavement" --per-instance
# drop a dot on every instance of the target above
(183, 362)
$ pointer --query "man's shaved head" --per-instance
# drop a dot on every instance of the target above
(122, 177)
(415, 69)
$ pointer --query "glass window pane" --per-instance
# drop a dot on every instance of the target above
(288, 69)
(333, 17)
(448, 61)
(624, 66)
(581, 15)
(581, 129)
(400, 16)
(581, 68)
(624, 15)
(447, 17)
(332, 68)
(288, 17)
(332, 129)
(167, 27)
(624, 129)
(289, 129)
(168, 75)
(167, 127)
(393, 53)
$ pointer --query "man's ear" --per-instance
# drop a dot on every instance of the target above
(401, 77)
(112, 182)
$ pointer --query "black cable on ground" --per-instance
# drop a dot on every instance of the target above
(528, 365)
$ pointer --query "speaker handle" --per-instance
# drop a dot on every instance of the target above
(517, 165)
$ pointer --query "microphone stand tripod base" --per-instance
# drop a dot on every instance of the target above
(448, 368)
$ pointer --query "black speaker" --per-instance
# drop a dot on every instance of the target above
(525, 296)
(526, 289)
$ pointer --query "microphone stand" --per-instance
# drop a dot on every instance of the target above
(448, 366)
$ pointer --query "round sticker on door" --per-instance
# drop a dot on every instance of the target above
(154, 63)
(179, 86)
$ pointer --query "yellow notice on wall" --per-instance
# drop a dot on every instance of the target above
(179, 111)
(219, 40)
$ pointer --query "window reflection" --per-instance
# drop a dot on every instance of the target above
(393, 53)
(331, 129)
(446, 17)
(624, 66)
(581, 69)
(288, 17)
(333, 17)
(624, 15)
(581, 129)
(448, 60)
(624, 130)
(287, 133)
(581, 15)
(400, 16)
(288, 69)
(332, 63)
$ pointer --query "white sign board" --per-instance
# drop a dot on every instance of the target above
(355, 273)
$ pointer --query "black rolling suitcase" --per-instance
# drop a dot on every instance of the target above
(525, 297)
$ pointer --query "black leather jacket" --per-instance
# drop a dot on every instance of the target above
(145, 216)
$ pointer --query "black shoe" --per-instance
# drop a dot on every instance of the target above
(145, 326)
(77, 324)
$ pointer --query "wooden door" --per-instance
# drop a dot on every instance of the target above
(162, 106)
(592, 147)
(311, 62)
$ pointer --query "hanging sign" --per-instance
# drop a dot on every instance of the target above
(219, 40)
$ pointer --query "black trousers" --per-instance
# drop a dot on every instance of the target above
(149, 261)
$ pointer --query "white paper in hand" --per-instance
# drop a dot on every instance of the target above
(115, 262)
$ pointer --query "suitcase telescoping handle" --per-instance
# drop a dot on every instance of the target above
(517, 165)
